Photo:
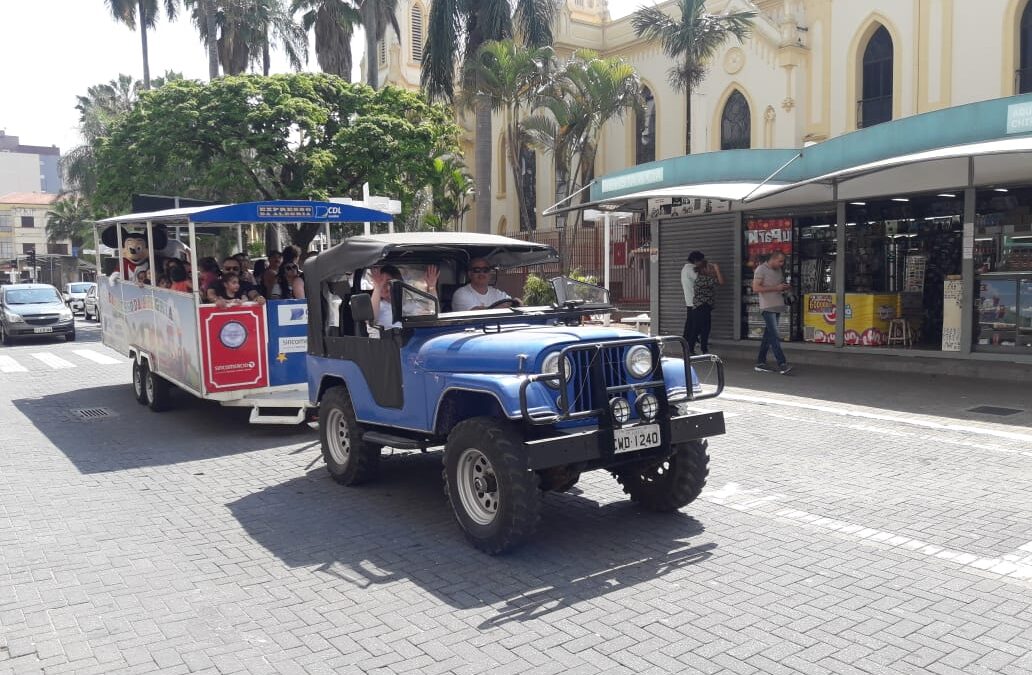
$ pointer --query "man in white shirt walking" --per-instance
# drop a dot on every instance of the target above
(478, 293)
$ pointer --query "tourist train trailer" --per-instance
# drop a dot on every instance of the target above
(251, 355)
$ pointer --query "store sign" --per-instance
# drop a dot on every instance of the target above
(233, 342)
(1019, 118)
(632, 180)
(766, 236)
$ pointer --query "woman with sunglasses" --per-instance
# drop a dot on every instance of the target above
(289, 283)
(479, 293)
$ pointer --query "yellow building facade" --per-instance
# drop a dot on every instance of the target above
(812, 70)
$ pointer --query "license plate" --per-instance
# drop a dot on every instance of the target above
(636, 438)
(43, 329)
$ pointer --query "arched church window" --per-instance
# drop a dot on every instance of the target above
(736, 123)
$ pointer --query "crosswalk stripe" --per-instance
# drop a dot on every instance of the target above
(54, 362)
(9, 365)
(96, 357)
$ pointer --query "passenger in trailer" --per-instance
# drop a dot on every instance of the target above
(227, 292)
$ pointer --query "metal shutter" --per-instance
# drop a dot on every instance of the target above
(714, 236)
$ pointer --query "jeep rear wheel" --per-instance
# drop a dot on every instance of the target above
(349, 459)
(493, 495)
(670, 483)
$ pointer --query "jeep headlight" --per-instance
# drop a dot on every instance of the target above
(14, 317)
(551, 365)
(638, 361)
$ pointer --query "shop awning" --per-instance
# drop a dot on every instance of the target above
(638, 201)
(984, 163)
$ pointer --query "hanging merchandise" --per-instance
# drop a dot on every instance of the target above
(914, 273)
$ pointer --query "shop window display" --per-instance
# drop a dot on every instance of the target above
(1003, 265)
(761, 238)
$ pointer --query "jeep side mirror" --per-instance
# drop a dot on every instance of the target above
(362, 307)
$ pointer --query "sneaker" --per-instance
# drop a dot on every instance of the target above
(763, 368)
(784, 369)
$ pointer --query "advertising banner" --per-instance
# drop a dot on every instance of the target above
(233, 348)
(155, 320)
(867, 318)
(765, 236)
(288, 341)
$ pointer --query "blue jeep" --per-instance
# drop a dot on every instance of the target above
(523, 399)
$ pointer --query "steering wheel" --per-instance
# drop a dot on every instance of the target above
(512, 302)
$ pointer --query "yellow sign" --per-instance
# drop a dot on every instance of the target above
(867, 317)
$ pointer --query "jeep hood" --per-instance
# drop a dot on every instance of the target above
(479, 352)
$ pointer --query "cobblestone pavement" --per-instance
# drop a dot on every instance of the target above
(831, 538)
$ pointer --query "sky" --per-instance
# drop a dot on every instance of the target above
(53, 50)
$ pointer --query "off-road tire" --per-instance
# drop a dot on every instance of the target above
(159, 392)
(493, 521)
(139, 376)
(349, 459)
(668, 484)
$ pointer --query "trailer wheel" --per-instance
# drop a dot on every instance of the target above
(139, 388)
(159, 392)
(349, 459)
(670, 483)
(494, 496)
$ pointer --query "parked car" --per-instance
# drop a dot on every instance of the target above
(75, 294)
(90, 312)
(34, 309)
(523, 399)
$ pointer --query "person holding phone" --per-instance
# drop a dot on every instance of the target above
(769, 284)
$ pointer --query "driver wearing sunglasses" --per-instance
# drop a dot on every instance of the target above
(479, 293)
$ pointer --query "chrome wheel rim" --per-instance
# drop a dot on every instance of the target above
(338, 438)
(477, 486)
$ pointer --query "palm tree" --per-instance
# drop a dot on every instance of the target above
(243, 33)
(334, 22)
(376, 16)
(691, 41)
(510, 79)
(456, 31)
(71, 218)
(586, 93)
(126, 11)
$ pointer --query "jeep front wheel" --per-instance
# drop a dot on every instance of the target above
(493, 495)
(349, 459)
(670, 483)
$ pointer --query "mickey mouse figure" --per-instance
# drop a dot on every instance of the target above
(135, 249)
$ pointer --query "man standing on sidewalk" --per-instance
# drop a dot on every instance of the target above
(688, 276)
(769, 284)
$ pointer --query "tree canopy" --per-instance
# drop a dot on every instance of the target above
(297, 136)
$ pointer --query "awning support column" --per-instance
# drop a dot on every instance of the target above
(967, 271)
(840, 270)
(737, 278)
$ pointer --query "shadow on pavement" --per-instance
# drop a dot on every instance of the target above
(938, 395)
(401, 527)
(193, 430)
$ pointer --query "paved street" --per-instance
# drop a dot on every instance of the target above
(883, 531)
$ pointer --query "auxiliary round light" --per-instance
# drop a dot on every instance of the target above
(638, 361)
(621, 410)
(648, 407)
(551, 365)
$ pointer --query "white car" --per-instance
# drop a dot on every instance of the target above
(75, 294)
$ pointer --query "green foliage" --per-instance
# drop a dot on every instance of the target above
(537, 291)
(298, 136)
(70, 218)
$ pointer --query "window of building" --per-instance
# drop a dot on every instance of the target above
(28, 221)
(28, 248)
(645, 129)
(416, 20)
(1025, 63)
(736, 123)
(875, 105)
(528, 169)
(57, 249)
(6, 249)
(503, 167)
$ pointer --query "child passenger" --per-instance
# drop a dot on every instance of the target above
(227, 292)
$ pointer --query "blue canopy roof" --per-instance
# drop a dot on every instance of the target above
(277, 211)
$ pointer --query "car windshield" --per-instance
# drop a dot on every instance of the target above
(32, 296)
(573, 292)
(79, 288)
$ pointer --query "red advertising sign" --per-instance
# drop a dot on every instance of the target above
(765, 236)
(233, 348)
(620, 254)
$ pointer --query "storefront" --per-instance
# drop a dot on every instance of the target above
(913, 234)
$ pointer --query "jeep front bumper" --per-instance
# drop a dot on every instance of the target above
(595, 448)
